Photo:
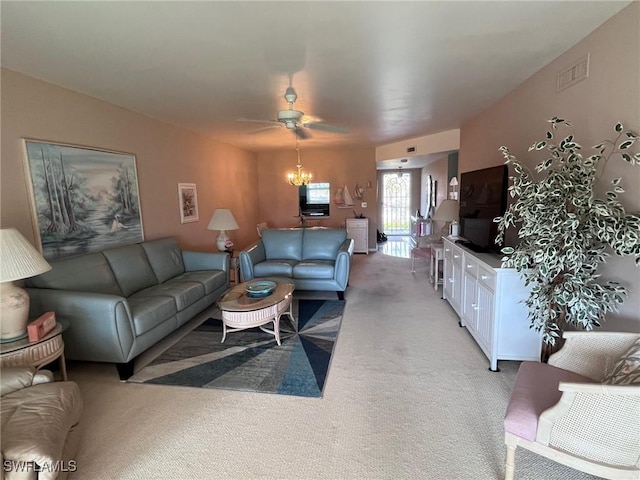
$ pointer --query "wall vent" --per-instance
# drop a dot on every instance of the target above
(411, 149)
(573, 74)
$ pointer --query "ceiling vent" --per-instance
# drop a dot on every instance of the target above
(573, 74)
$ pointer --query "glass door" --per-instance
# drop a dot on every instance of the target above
(396, 203)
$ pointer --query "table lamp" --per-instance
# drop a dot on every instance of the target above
(448, 212)
(222, 220)
(18, 260)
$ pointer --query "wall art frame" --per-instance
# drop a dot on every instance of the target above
(188, 202)
(83, 199)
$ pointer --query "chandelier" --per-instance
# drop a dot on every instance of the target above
(299, 177)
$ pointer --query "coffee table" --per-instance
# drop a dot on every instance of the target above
(239, 311)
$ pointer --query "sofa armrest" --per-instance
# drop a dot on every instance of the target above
(347, 246)
(253, 254)
(587, 418)
(194, 261)
(100, 325)
(343, 263)
(16, 378)
(592, 353)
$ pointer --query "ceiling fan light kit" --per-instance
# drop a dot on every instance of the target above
(293, 119)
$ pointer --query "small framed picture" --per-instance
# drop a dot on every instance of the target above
(188, 199)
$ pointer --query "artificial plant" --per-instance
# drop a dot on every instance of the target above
(566, 231)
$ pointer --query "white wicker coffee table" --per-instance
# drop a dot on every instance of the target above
(239, 311)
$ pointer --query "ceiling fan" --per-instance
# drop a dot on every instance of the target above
(295, 120)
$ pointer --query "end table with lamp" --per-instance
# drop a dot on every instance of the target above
(222, 220)
(18, 260)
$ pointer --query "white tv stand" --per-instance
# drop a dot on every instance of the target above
(488, 300)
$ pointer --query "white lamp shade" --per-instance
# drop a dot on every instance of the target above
(447, 211)
(223, 219)
(18, 258)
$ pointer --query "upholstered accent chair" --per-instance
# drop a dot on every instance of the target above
(40, 424)
(582, 409)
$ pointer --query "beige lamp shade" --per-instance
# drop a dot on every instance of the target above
(447, 211)
(222, 220)
(18, 260)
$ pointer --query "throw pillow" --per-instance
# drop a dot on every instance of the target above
(626, 371)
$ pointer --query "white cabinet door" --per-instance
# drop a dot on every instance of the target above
(469, 300)
(447, 288)
(485, 321)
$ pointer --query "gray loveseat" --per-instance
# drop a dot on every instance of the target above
(121, 301)
(314, 258)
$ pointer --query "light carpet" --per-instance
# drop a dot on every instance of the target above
(251, 360)
(409, 396)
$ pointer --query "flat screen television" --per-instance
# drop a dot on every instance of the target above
(315, 199)
(483, 196)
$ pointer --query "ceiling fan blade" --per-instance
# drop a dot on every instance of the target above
(270, 127)
(301, 134)
(326, 127)
(253, 120)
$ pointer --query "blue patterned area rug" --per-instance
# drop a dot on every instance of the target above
(251, 360)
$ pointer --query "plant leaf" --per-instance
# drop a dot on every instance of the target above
(619, 127)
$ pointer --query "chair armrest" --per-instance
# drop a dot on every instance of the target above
(100, 325)
(194, 261)
(594, 421)
(347, 246)
(342, 266)
(17, 378)
(253, 254)
(592, 353)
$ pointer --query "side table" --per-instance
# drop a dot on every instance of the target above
(436, 273)
(36, 354)
(234, 266)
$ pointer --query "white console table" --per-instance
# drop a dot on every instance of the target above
(488, 300)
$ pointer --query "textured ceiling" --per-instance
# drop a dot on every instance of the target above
(387, 71)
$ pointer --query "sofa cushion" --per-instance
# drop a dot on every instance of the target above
(87, 273)
(314, 269)
(183, 293)
(211, 280)
(131, 268)
(283, 244)
(322, 244)
(274, 268)
(534, 391)
(165, 258)
(149, 312)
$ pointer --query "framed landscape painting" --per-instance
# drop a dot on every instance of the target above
(84, 199)
(188, 199)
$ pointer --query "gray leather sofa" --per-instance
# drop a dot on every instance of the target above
(123, 300)
(315, 259)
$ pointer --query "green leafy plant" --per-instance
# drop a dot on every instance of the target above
(566, 232)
